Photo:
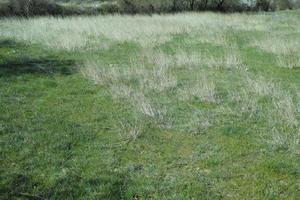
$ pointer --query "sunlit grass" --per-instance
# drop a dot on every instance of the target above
(176, 106)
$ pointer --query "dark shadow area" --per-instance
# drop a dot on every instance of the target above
(46, 66)
(8, 43)
(16, 60)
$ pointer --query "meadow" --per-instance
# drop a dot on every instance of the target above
(183, 106)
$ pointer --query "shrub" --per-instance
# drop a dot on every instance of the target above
(34, 7)
(145, 6)
(229, 5)
(4, 9)
(158, 6)
(149, 6)
(271, 5)
(265, 5)
(284, 4)
(107, 8)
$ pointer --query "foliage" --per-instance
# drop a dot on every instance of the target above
(34, 7)
(79, 7)
(151, 6)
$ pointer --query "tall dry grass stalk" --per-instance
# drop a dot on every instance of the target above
(285, 48)
(202, 88)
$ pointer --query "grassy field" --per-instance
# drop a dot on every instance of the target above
(185, 106)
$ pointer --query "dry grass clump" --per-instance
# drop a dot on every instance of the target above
(105, 75)
(212, 35)
(262, 87)
(184, 59)
(202, 88)
(230, 59)
(281, 38)
(130, 131)
(155, 78)
(181, 59)
(280, 139)
(286, 49)
(287, 109)
(158, 79)
(233, 59)
(146, 106)
(205, 90)
(133, 83)
(153, 73)
(284, 108)
(121, 91)
(278, 44)
(189, 60)
(280, 113)
(290, 60)
(158, 58)
(197, 122)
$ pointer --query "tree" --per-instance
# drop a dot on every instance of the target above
(220, 5)
(265, 5)
(29, 8)
(192, 4)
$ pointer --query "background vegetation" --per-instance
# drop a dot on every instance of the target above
(186, 106)
(76, 7)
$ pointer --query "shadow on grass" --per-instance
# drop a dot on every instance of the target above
(15, 59)
(7, 43)
(44, 66)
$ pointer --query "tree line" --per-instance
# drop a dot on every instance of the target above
(50, 7)
(150, 6)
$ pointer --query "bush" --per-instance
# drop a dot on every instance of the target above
(271, 5)
(149, 6)
(108, 8)
(284, 4)
(144, 6)
(266, 5)
(34, 7)
(4, 9)
(229, 6)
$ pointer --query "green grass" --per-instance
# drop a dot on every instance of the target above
(171, 112)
